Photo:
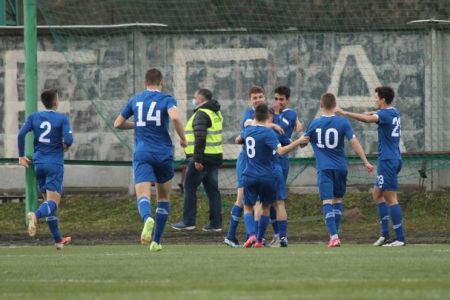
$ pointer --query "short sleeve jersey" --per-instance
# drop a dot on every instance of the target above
(389, 133)
(260, 145)
(151, 121)
(49, 128)
(327, 135)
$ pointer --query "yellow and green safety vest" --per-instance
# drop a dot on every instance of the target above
(213, 134)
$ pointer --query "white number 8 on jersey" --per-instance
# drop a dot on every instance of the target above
(250, 146)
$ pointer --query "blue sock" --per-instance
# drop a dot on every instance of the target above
(282, 227)
(52, 222)
(236, 213)
(396, 216)
(328, 213)
(256, 229)
(249, 224)
(161, 215)
(383, 215)
(273, 220)
(338, 208)
(47, 208)
(144, 207)
(263, 223)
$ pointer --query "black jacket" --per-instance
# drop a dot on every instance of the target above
(201, 124)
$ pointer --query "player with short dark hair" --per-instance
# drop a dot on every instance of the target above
(327, 134)
(256, 96)
(52, 137)
(153, 153)
(389, 163)
(287, 119)
(260, 145)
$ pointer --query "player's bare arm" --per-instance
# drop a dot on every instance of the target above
(176, 121)
(364, 117)
(288, 148)
(356, 145)
(122, 123)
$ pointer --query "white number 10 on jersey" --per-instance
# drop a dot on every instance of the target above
(328, 132)
(150, 116)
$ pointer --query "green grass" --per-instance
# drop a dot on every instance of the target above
(113, 218)
(217, 272)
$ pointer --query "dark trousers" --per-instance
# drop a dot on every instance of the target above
(209, 177)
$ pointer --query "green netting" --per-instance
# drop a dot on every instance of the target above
(344, 47)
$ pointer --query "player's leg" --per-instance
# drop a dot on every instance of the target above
(396, 217)
(191, 183)
(235, 216)
(164, 173)
(282, 222)
(340, 187)
(143, 195)
(264, 220)
(257, 211)
(48, 186)
(382, 207)
(211, 184)
(250, 199)
(326, 191)
(393, 167)
(237, 209)
(143, 173)
(162, 213)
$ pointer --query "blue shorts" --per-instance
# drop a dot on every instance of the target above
(240, 166)
(284, 160)
(49, 177)
(149, 167)
(280, 183)
(332, 183)
(387, 174)
(259, 188)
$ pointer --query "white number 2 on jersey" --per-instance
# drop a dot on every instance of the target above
(48, 127)
(328, 132)
(396, 131)
(250, 146)
(150, 116)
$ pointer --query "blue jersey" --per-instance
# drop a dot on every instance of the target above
(248, 115)
(260, 144)
(327, 135)
(151, 121)
(51, 130)
(389, 132)
(287, 120)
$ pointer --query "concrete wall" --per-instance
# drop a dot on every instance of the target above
(98, 73)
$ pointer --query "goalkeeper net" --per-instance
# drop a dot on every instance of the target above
(98, 53)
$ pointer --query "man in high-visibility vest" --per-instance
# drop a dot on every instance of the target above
(204, 150)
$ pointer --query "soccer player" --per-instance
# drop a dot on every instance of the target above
(256, 96)
(52, 137)
(327, 134)
(389, 163)
(288, 120)
(261, 144)
(153, 157)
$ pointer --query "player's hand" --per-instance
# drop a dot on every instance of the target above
(199, 166)
(276, 108)
(369, 167)
(304, 140)
(65, 147)
(183, 143)
(238, 140)
(339, 111)
(277, 128)
(24, 161)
